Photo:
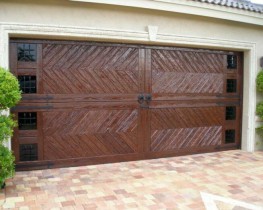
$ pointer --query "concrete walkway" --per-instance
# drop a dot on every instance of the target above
(223, 180)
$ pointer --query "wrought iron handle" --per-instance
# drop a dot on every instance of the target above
(148, 97)
(140, 98)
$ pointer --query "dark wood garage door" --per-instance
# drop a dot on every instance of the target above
(88, 103)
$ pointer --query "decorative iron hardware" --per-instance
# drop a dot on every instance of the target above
(36, 108)
(140, 98)
(144, 106)
(34, 97)
(148, 97)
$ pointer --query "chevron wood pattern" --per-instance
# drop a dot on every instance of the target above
(175, 71)
(182, 138)
(88, 110)
(187, 61)
(87, 133)
(72, 69)
(171, 118)
(186, 128)
(170, 82)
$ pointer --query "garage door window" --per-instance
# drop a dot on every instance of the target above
(230, 136)
(28, 152)
(27, 84)
(231, 86)
(230, 113)
(27, 120)
(27, 52)
(231, 61)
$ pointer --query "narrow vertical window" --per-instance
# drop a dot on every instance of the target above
(231, 61)
(231, 86)
(230, 113)
(230, 136)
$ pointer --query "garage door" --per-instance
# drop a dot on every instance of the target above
(89, 103)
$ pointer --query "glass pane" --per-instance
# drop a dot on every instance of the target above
(230, 113)
(28, 152)
(27, 120)
(27, 52)
(231, 61)
(27, 84)
(230, 136)
(231, 86)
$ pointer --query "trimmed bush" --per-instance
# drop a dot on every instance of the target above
(9, 89)
(7, 125)
(259, 82)
(7, 168)
(259, 110)
(259, 131)
(10, 95)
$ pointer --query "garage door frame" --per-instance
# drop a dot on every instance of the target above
(249, 49)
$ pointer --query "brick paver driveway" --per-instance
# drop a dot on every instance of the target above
(223, 180)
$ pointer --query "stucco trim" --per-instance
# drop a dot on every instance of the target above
(66, 32)
(188, 7)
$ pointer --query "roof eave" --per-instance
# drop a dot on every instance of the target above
(189, 7)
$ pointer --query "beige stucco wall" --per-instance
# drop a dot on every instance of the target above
(63, 12)
(76, 14)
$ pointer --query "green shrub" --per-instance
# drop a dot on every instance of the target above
(7, 168)
(9, 97)
(259, 81)
(259, 131)
(259, 110)
(9, 89)
(7, 125)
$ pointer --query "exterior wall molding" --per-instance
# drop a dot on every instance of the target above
(188, 7)
(8, 30)
(152, 30)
